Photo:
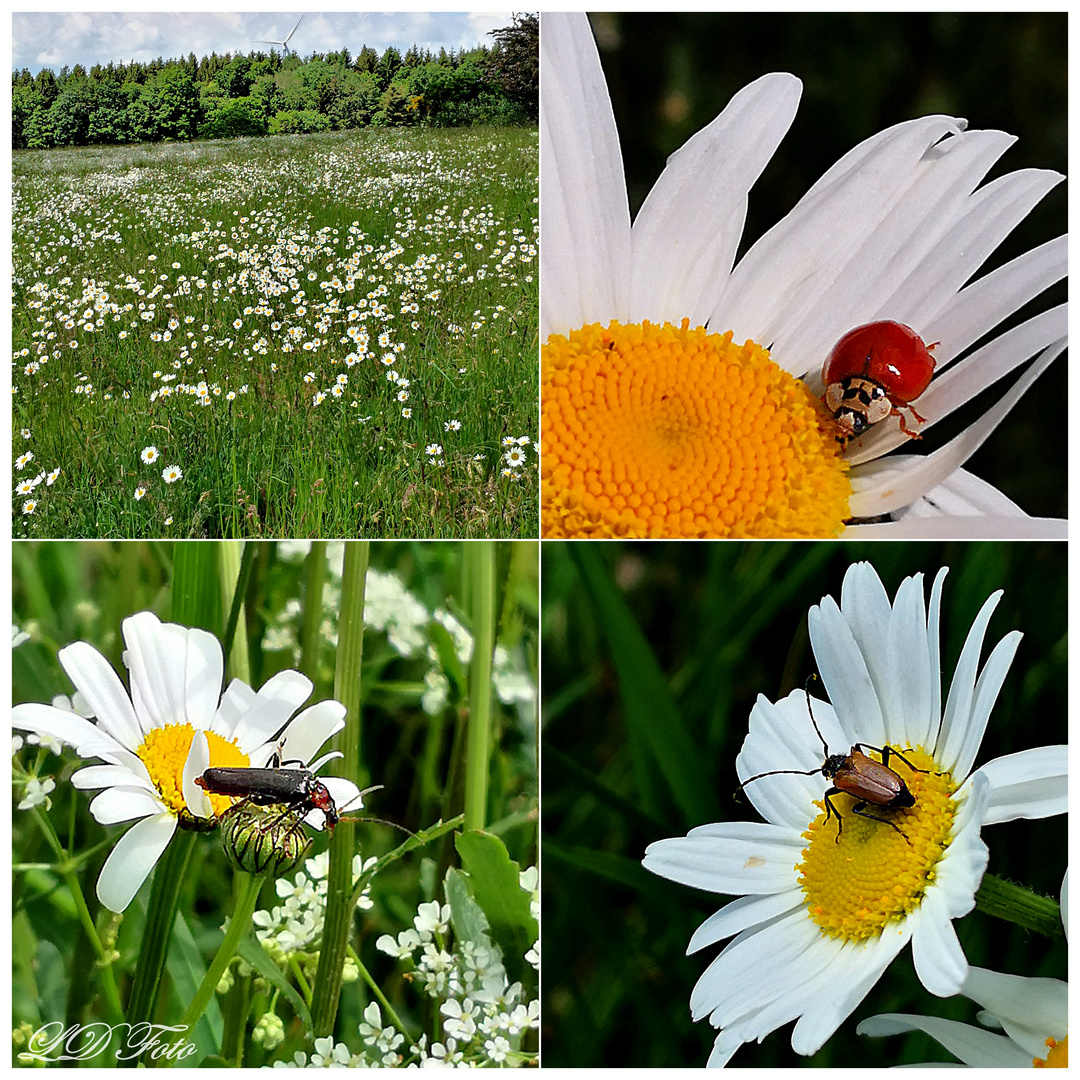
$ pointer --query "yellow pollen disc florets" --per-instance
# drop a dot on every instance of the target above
(872, 874)
(653, 431)
(1057, 1058)
(164, 752)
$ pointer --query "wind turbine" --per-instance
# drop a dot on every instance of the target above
(284, 44)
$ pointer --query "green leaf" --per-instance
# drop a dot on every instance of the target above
(250, 950)
(495, 885)
(657, 734)
(466, 915)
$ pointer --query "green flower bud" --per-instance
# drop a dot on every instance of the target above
(264, 839)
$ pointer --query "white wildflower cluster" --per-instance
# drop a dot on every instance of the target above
(390, 608)
(484, 1016)
(296, 925)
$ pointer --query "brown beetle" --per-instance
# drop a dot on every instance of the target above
(871, 782)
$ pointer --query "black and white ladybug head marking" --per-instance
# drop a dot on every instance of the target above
(856, 403)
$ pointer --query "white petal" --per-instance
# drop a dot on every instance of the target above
(962, 528)
(933, 638)
(743, 913)
(86, 737)
(586, 257)
(962, 494)
(1030, 784)
(961, 870)
(907, 239)
(131, 860)
(908, 718)
(100, 776)
(782, 736)
(987, 689)
(175, 671)
(939, 961)
(723, 1049)
(116, 804)
(840, 991)
(780, 282)
(733, 857)
(957, 741)
(198, 761)
(687, 232)
(257, 717)
(745, 978)
(307, 732)
(988, 216)
(104, 692)
(980, 306)
(345, 793)
(1029, 1009)
(973, 1046)
(844, 672)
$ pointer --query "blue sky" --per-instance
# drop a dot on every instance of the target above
(53, 38)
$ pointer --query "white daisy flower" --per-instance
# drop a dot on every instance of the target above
(828, 904)
(715, 437)
(174, 724)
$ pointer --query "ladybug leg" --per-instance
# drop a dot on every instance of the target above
(909, 432)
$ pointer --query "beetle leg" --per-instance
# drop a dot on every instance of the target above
(830, 810)
(860, 809)
(885, 751)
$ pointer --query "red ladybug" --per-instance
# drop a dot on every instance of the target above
(875, 371)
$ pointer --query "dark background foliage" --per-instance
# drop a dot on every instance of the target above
(727, 621)
(670, 74)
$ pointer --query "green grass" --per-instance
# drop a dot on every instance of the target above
(133, 265)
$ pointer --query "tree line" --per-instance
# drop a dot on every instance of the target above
(265, 93)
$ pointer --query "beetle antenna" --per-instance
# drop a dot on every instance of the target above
(806, 691)
(774, 772)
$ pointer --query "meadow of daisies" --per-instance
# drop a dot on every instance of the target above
(320, 335)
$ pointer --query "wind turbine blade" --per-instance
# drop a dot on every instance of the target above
(293, 30)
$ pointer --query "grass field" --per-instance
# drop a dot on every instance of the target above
(326, 335)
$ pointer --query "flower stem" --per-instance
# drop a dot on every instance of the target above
(480, 576)
(169, 877)
(237, 558)
(1019, 905)
(347, 690)
(239, 925)
(311, 628)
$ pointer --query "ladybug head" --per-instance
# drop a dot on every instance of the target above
(856, 403)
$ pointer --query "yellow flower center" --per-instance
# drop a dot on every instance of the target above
(875, 871)
(664, 431)
(164, 752)
(1058, 1058)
